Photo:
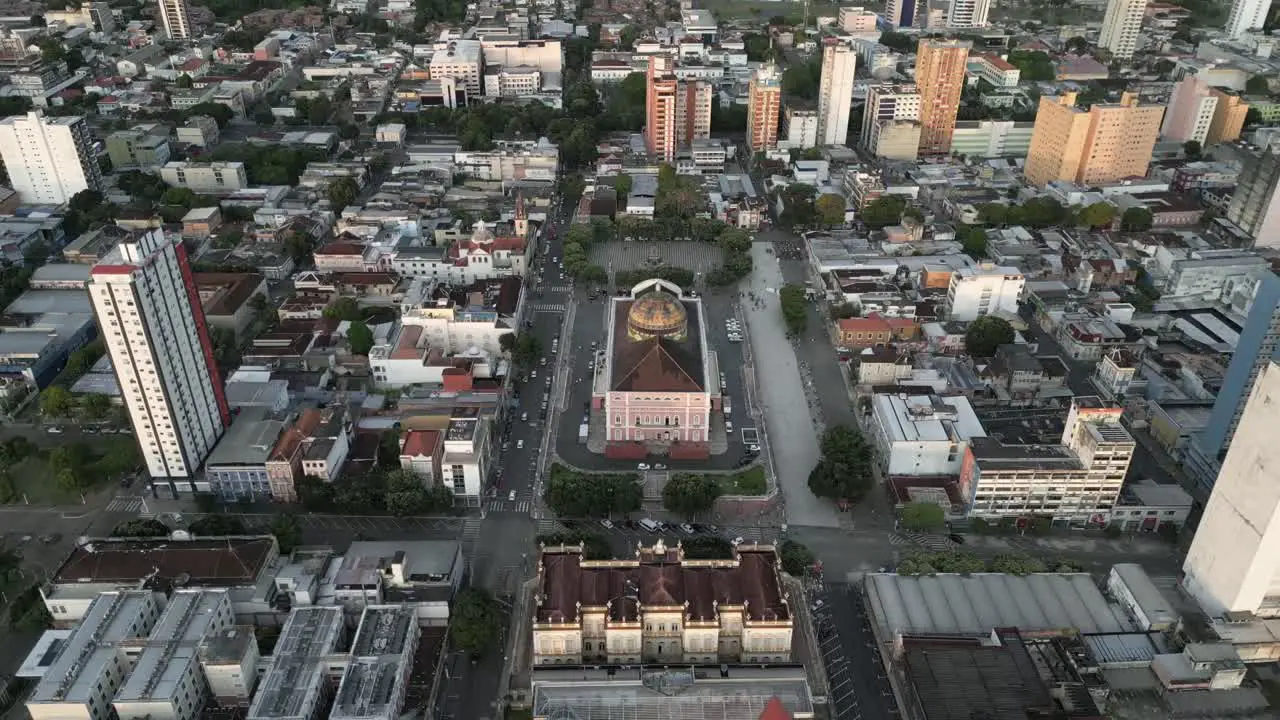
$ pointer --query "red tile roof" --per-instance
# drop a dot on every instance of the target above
(418, 443)
(339, 248)
(775, 710)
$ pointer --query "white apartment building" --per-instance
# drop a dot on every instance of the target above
(1077, 481)
(296, 682)
(835, 91)
(889, 106)
(923, 435)
(1233, 564)
(229, 659)
(154, 328)
(1247, 16)
(176, 19)
(994, 69)
(166, 682)
(1208, 274)
(49, 159)
(982, 290)
(215, 178)
(857, 20)
(968, 13)
(800, 128)
(93, 663)
(466, 455)
(1120, 27)
(528, 159)
(374, 685)
(462, 60)
(1190, 111)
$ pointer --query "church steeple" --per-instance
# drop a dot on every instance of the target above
(522, 216)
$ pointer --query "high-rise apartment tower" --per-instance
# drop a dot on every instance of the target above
(764, 103)
(1255, 203)
(835, 91)
(49, 159)
(677, 112)
(1120, 27)
(1247, 16)
(176, 19)
(941, 66)
(1104, 143)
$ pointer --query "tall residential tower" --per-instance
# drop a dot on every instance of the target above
(176, 19)
(1101, 144)
(941, 66)
(835, 91)
(764, 103)
(1247, 16)
(1120, 27)
(49, 159)
(891, 111)
(1255, 203)
(153, 324)
(677, 112)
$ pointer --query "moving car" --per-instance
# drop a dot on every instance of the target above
(642, 466)
(511, 495)
(519, 444)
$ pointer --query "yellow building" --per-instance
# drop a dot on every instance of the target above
(941, 69)
(1228, 118)
(660, 607)
(1104, 143)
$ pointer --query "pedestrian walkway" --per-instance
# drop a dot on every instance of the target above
(470, 531)
(126, 504)
(550, 526)
(937, 543)
(549, 307)
(516, 506)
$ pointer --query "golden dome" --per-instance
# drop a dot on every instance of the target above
(657, 314)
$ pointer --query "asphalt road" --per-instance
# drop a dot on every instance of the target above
(859, 687)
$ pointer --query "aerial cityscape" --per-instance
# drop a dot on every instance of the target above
(639, 360)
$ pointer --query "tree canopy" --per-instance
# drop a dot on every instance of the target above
(830, 209)
(359, 338)
(986, 334)
(884, 211)
(688, 495)
(844, 471)
(574, 494)
(1136, 219)
(795, 308)
(474, 621)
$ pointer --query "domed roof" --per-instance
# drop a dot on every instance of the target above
(657, 314)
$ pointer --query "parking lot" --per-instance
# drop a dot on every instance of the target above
(859, 687)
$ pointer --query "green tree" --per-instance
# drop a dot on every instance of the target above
(342, 192)
(1098, 215)
(688, 495)
(830, 209)
(1257, 85)
(141, 528)
(797, 559)
(1192, 149)
(526, 348)
(287, 531)
(344, 308)
(986, 334)
(360, 338)
(707, 547)
(623, 185)
(1136, 219)
(217, 526)
(1017, 564)
(844, 470)
(795, 308)
(183, 82)
(974, 240)
(884, 211)
(95, 406)
(922, 516)
(474, 621)
(900, 42)
(56, 401)
(389, 449)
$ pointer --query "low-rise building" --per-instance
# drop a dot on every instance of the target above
(923, 435)
(227, 299)
(376, 680)
(296, 683)
(983, 290)
(237, 468)
(423, 574)
(138, 147)
(215, 178)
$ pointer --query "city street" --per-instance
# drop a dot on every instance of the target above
(859, 687)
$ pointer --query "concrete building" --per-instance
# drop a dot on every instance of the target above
(923, 435)
(1246, 16)
(94, 662)
(835, 91)
(992, 138)
(801, 127)
(48, 159)
(423, 574)
(1254, 352)
(1077, 481)
(764, 103)
(1228, 117)
(166, 680)
(463, 62)
(901, 13)
(1232, 564)
(236, 469)
(1120, 27)
(677, 112)
(967, 14)
(997, 71)
(941, 67)
(983, 290)
(655, 381)
(1106, 143)
(296, 684)
(659, 608)
(1191, 110)
(156, 334)
(177, 19)
(229, 659)
(888, 109)
(136, 148)
(855, 20)
(1255, 203)
(374, 685)
(215, 178)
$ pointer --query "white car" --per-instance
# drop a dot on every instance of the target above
(533, 373)
(511, 495)
(55, 429)
(642, 466)
(606, 524)
(686, 528)
(728, 426)
(659, 467)
(519, 444)
(737, 541)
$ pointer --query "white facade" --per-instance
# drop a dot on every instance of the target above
(968, 13)
(49, 160)
(154, 328)
(462, 60)
(166, 683)
(901, 13)
(835, 91)
(1246, 15)
(1120, 27)
(1233, 560)
(176, 19)
(209, 178)
(82, 681)
(466, 457)
(229, 660)
(801, 128)
(1190, 111)
(886, 106)
(922, 435)
(983, 290)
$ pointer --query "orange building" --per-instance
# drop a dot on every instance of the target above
(941, 66)
(676, 112)
(873, 330)
(1102, 144)
(1228, 118)
(763, 106)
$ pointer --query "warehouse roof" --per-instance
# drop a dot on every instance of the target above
(976, 604)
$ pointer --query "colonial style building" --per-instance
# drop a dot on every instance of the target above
(660, 608)
(496, 250)
(656, 381)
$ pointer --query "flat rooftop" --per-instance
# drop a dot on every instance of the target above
(917, 418)
(217, 563)
(373, 685)
(422, 561)
(174, 643)
(90, 651)
(249, 440)
(960, 682)
(292, 683)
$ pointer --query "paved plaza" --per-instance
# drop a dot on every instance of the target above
(697, 257)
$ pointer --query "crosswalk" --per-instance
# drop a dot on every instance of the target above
(550, 526)
(516, 506)
(937, 543)
(470, 531)
(557, 308)
(129, 503)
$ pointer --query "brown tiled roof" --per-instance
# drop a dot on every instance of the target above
(291, 439)
(658, 364)
(420, 442)
(203, 562)
(226, 292)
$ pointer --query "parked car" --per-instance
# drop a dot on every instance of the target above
(519, 444)
(55, 429)
(642, 466)
(686, 528)
(606, 524)
(511, 495)
(957, 539)
(737, 541)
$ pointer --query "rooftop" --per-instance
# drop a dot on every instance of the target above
(420, 561)
(174, 644)
(217, 563)
(293, 682)
(677, 693)
(661, 362)
(373, 684)
(960, 682)
(90, 651)
(917, 418)
(249, 441)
